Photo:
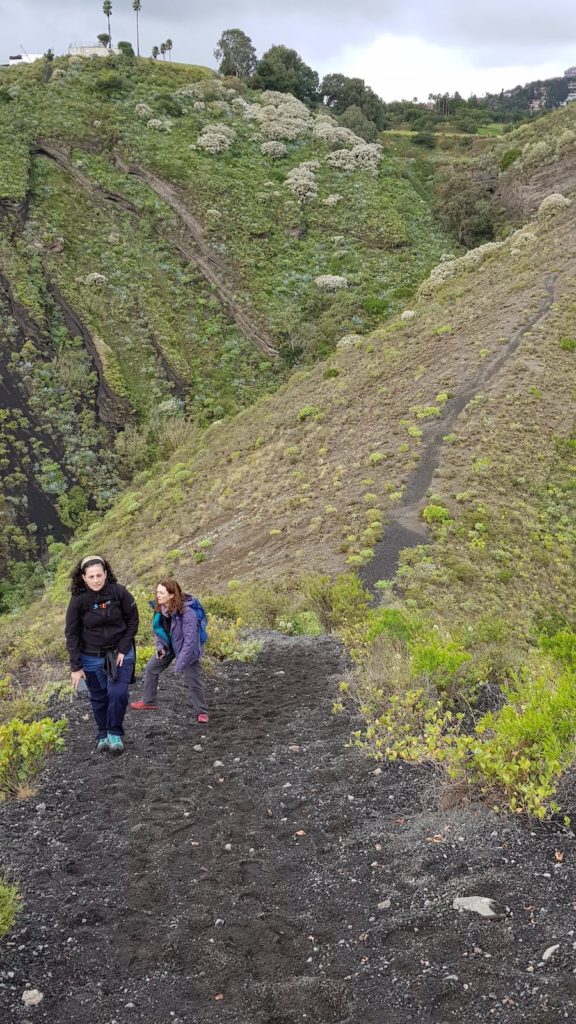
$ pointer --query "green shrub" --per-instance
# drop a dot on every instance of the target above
(568, 344)
(8, 906)
(338, 604)
(509, 157)
(438, 660)
(309, 412)
(306, 624)
(143, 654)
(110, 83)
(23, 750)
(375, 458)
(523, 749)
(436, 514)
(391, 622)
(226, 643)
(425, 139)
(562, 645)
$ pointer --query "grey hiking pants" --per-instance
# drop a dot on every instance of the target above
(191, 674)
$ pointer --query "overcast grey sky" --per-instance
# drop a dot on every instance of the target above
(401, 48)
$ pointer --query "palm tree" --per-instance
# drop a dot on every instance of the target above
(107, 8)
(169, 44)
(137, 6)
(155, 52)
(163, 50)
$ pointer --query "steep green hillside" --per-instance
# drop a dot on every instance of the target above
(434, 454)
(461, 412)
(168, 249)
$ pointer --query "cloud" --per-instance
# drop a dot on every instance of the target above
(402, 68)
(331, 35)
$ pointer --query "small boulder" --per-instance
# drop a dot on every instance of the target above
(478, 905)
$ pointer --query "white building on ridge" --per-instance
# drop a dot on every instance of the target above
(24, 58)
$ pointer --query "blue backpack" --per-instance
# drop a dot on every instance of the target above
(197, 608)
(200, 614)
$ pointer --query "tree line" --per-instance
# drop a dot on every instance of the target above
(358, 106)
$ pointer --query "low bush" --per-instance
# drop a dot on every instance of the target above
(23, 750)
(8, 906)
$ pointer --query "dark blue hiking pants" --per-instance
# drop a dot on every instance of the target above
(109, 699)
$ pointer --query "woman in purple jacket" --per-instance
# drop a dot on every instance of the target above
(177, 638)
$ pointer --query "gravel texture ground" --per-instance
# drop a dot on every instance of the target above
(259, 871)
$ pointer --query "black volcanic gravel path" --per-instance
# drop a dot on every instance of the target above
(260, 872)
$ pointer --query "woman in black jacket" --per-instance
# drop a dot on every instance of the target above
(101, 623)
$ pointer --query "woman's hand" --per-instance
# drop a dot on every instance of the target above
(76, 677)
(120, 659)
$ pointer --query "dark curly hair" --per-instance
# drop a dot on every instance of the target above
(77, 584)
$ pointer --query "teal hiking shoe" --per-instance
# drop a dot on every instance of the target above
(115, 744)
(103, 744)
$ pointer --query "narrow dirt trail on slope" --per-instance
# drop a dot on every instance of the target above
(211, 266)
(286, 883)
(192, 244)
(405, 528)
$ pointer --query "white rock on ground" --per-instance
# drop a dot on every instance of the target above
(477, 905)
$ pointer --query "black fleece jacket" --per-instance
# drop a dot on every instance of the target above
(100, 619)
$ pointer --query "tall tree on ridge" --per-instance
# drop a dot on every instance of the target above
(107, 8)
(137, 7)
(155, 52)
(169, 44)
(104, 38)
(163, 50)
(235, 53)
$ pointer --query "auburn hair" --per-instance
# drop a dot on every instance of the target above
(176, 595)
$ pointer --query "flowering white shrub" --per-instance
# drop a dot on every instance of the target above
(332, 199)
(408, 314)
(188, 91)
(566, 140)
(330, 282)
(553, 204)
(368, 156)
(95, 279)
(301, 181)
(449, 268)
(522, 237)
(326, 130)
(365, 156)
(218, 107)
(214, 216)
(205, 89)
(282, 116)
(215, 138)
(342, 160)
(199, 105)
(113, 238)
(160, 124)
(249, 111)
(275, 150)
(349, 341)
(285, 101)
(58, 73)
(143, 110)
(536, 153)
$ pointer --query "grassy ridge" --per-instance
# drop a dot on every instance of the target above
(154, 337)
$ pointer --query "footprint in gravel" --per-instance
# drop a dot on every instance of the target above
(319, 1000)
